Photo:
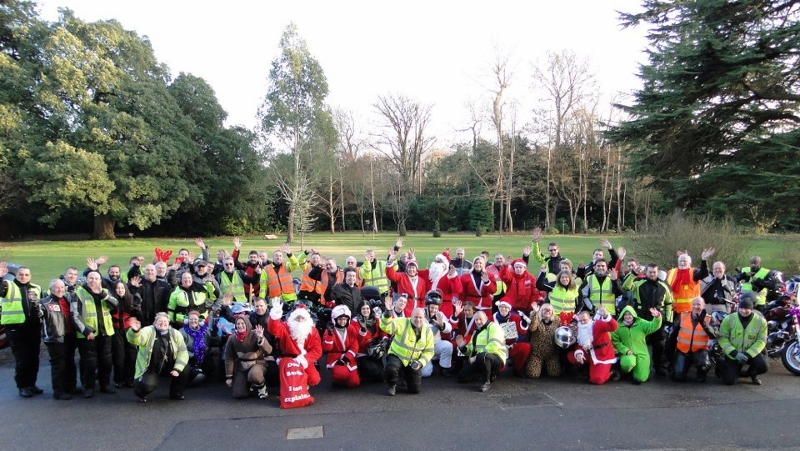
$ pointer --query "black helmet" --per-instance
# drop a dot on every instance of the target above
(433, 297)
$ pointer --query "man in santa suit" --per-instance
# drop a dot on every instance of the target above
(409, 283)
(298, 339)
(594, 345)
(515, 329)
(341, 341)
(443, 277)
(462, 323)
(521, 289)
(477, 286)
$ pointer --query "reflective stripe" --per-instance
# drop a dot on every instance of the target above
(13, 310)
(683, 295)
(691, 338)
(277, 284)
(89, 313)
(234, 284)
(602, 295)
(563, 300)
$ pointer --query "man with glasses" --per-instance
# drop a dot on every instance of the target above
(232, 280)
(553, 257)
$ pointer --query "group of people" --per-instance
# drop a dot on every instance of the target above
(390, 320)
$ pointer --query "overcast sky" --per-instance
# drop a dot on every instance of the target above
(435, 52)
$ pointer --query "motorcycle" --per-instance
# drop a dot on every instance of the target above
(779, 326)
(790, 356)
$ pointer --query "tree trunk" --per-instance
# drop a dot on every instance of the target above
(104, 227)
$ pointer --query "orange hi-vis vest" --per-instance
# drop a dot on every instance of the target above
(682, 295)
(310, 285)
(279, 283)
(691, 338)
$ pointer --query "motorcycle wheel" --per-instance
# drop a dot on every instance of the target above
(791, 357)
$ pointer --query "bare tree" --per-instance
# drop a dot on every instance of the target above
(566, 81)
(402, 139)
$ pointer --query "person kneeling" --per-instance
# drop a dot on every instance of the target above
(486, 352)
(743, 336)
(162, 352)
(630, 341)
(410, 350)
(340, 341)
(245, 360)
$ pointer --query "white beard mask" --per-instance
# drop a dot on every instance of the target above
(437, 270)
(299, 330)
(585, 336)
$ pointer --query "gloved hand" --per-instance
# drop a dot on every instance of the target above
(742, 357)
(415, 365)
(329, 328)
(363, 330)
(341, 362)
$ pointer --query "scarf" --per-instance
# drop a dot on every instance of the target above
(240, 335)
(199, 346)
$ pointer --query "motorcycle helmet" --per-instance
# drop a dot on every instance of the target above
(433, 297)
(340, 310)
(565, 337)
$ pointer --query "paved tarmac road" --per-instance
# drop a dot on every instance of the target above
(516, 414)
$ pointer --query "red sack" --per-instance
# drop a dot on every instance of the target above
(294, 384)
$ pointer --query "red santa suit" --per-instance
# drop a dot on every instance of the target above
(515, 328)
(440, 279)
(342, 345)
(596, 348)
(415, 287)
(476, 291)
(305, 350)
(521, 289)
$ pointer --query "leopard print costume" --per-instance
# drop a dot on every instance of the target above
(544, 351)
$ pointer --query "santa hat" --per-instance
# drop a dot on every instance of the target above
(300, 310)
(502, 303)
(520, 262)
(441, 258)
(412, 262)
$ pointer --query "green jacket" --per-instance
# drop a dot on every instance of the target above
(146, 337)
(490, 339)
(735, 337)
(633, 338)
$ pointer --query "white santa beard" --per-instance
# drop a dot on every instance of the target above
(585, 336)
(299, 331)
(436, 271)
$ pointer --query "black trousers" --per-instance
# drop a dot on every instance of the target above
(394, 370)
(656, 341)
(732, 369)
(485, 368)
(149, 381)
(95, 361)
(369, 369)
(123, 357)
(682, 362)
(63, 372)
(26, 342)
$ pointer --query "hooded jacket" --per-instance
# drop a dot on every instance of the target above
(250, 349)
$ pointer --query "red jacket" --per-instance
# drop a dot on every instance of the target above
(416, 292)
(338, 347)
(521, 290)
(312, 345)
(480, 294)
(519, 326)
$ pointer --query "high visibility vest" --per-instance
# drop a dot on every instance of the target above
(12, 308)
(326, 280)
(278, 284)
(405, 344)
(89, 312)
(602, 295)
(145, 339)
(310, 285)
(375, 277)
(181, 302)
(491, 340)
(233, 284)
(562, 299)
(761, 296)
(691, 338)
(682, 296)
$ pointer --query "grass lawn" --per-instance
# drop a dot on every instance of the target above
(48, 259)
